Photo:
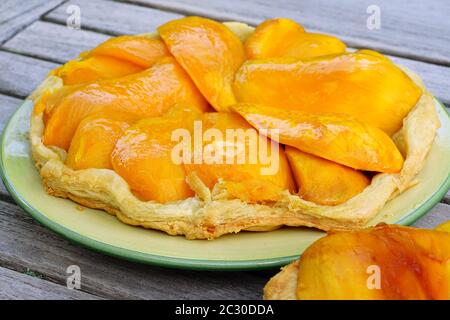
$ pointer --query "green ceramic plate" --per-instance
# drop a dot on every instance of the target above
(103, 232)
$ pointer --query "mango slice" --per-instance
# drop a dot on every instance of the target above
(95, 139)
(253, 180)
(322, 181)
(94, 68)
(143, 51)
(336, 138)
(143, 157)
(281, 37)
(384, 262)
(148, 93)
(209, 52)
(365, 86)
(116, 57)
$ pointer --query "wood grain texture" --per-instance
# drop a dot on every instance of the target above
(53, 42)
(15, 285)
(20, 75)
(114, 17)
(15, 15)
(26, 244)
(7, 107)
(413, 28)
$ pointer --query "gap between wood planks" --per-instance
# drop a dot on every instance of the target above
(24, 14)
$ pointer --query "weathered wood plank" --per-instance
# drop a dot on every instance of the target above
(439, 214)
(114, 17)
(25, 244)
(7, 107)
(20, 75)
(53, 41)
(18, 286)
(15, 15)
(412, 29)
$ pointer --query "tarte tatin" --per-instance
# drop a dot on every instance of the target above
(385, 262)
(323, 136)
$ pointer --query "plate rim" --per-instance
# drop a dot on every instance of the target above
(175, 262)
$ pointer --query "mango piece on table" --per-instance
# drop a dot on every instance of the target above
(322, 181)
(365, 86)
(209, 52)
(147, 93)
(383, 262)
(336, 138)
(281, 37)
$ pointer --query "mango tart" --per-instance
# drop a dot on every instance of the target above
(101, 130)
(385, 262)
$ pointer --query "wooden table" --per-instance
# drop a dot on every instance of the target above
(34, 39)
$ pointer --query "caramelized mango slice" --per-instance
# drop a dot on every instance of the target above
(143, 51)
(384, 262)
(281, 37)
(95, 139)
(95, 68)
(148, 93)
(271, 37)
(143, 157)
(336, 138)
(322, 181)
(209, 52)
(365, 86)
(244, 175)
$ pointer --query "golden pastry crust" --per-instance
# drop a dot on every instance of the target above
(211, 214)
(283, 285)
